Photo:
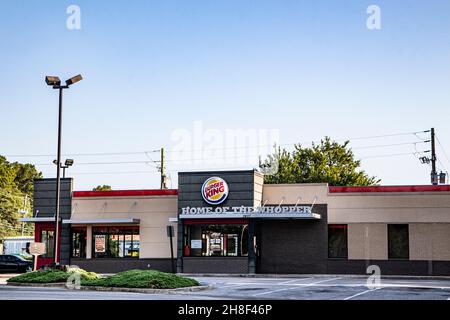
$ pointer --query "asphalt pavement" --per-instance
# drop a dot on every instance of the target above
(330, 287)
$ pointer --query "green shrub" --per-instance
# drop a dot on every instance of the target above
(41, 276)
(143, 279)
(52, 276)
(86, 275)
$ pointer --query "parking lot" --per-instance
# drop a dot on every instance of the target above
(313, 287)
(327, 288)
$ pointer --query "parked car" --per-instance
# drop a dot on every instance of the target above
(14, 263)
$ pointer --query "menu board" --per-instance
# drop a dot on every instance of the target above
(100, 243)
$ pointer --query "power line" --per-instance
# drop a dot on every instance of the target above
(390, 145)
(385, 135)
(442, 165)
(222, 168)
(237, 157)
(392, 155)
(224, 148)
(443, 150)
(114, 172)
(100, 163)
(83, 154)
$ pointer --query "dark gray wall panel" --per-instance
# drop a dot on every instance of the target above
(293, 246)
(44, 204)
(390, 267)
(241, 186)
(44, 198)
(215, 265)
(123, 264)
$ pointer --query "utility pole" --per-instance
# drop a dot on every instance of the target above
(24, 211)
(163, 177)
(434, 177)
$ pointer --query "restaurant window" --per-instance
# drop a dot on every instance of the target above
(48, 238)
(216, 240)
(337, 241)
(115, 242)
(398, 241)
(78, 242)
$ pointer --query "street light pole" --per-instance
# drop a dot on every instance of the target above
(55, 82)
(58, 178)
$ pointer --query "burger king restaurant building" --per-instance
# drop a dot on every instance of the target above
(231, 222)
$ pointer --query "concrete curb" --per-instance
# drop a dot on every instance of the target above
(37, 285)
(151, 291)
(281, 276)
(114, 289)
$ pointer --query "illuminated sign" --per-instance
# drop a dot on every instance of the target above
(215, 190)
(298, 212)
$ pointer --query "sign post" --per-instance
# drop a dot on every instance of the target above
(36, 249)
(170, 234)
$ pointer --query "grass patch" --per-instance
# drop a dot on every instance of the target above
(53, 276)
(143, 279)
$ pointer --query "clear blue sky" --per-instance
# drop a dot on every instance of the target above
(305, 68)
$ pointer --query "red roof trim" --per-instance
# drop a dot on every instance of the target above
(423, 188)
(125, 193)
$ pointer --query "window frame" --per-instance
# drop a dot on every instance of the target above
(242, 250)
(41, 233)
(389, 242)
(337, 226)
(80, 231)
(121, 232)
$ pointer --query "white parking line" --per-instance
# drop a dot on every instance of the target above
(348, 285)
(304, 285)
(290, 281)
(233, 285)
(361, 293)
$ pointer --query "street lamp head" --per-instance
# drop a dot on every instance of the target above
(74, 80)
(68, 163)
(55, 161)
(52, 81)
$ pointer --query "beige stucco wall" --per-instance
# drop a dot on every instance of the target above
(427, 213)
(153, 211)
(291, 193)
(429, 241)
(258, 192)
(433, 207)
(417, 207)
(367, 241)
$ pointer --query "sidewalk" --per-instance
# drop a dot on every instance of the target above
(8, 275)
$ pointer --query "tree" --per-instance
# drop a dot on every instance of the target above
(16, 182)
(7, 175)
(24, 177)
(326, 162)
(10, 204)
(102, 188)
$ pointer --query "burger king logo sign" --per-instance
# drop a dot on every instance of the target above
(215, 190)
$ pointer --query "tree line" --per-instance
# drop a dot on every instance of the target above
(16, 196)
